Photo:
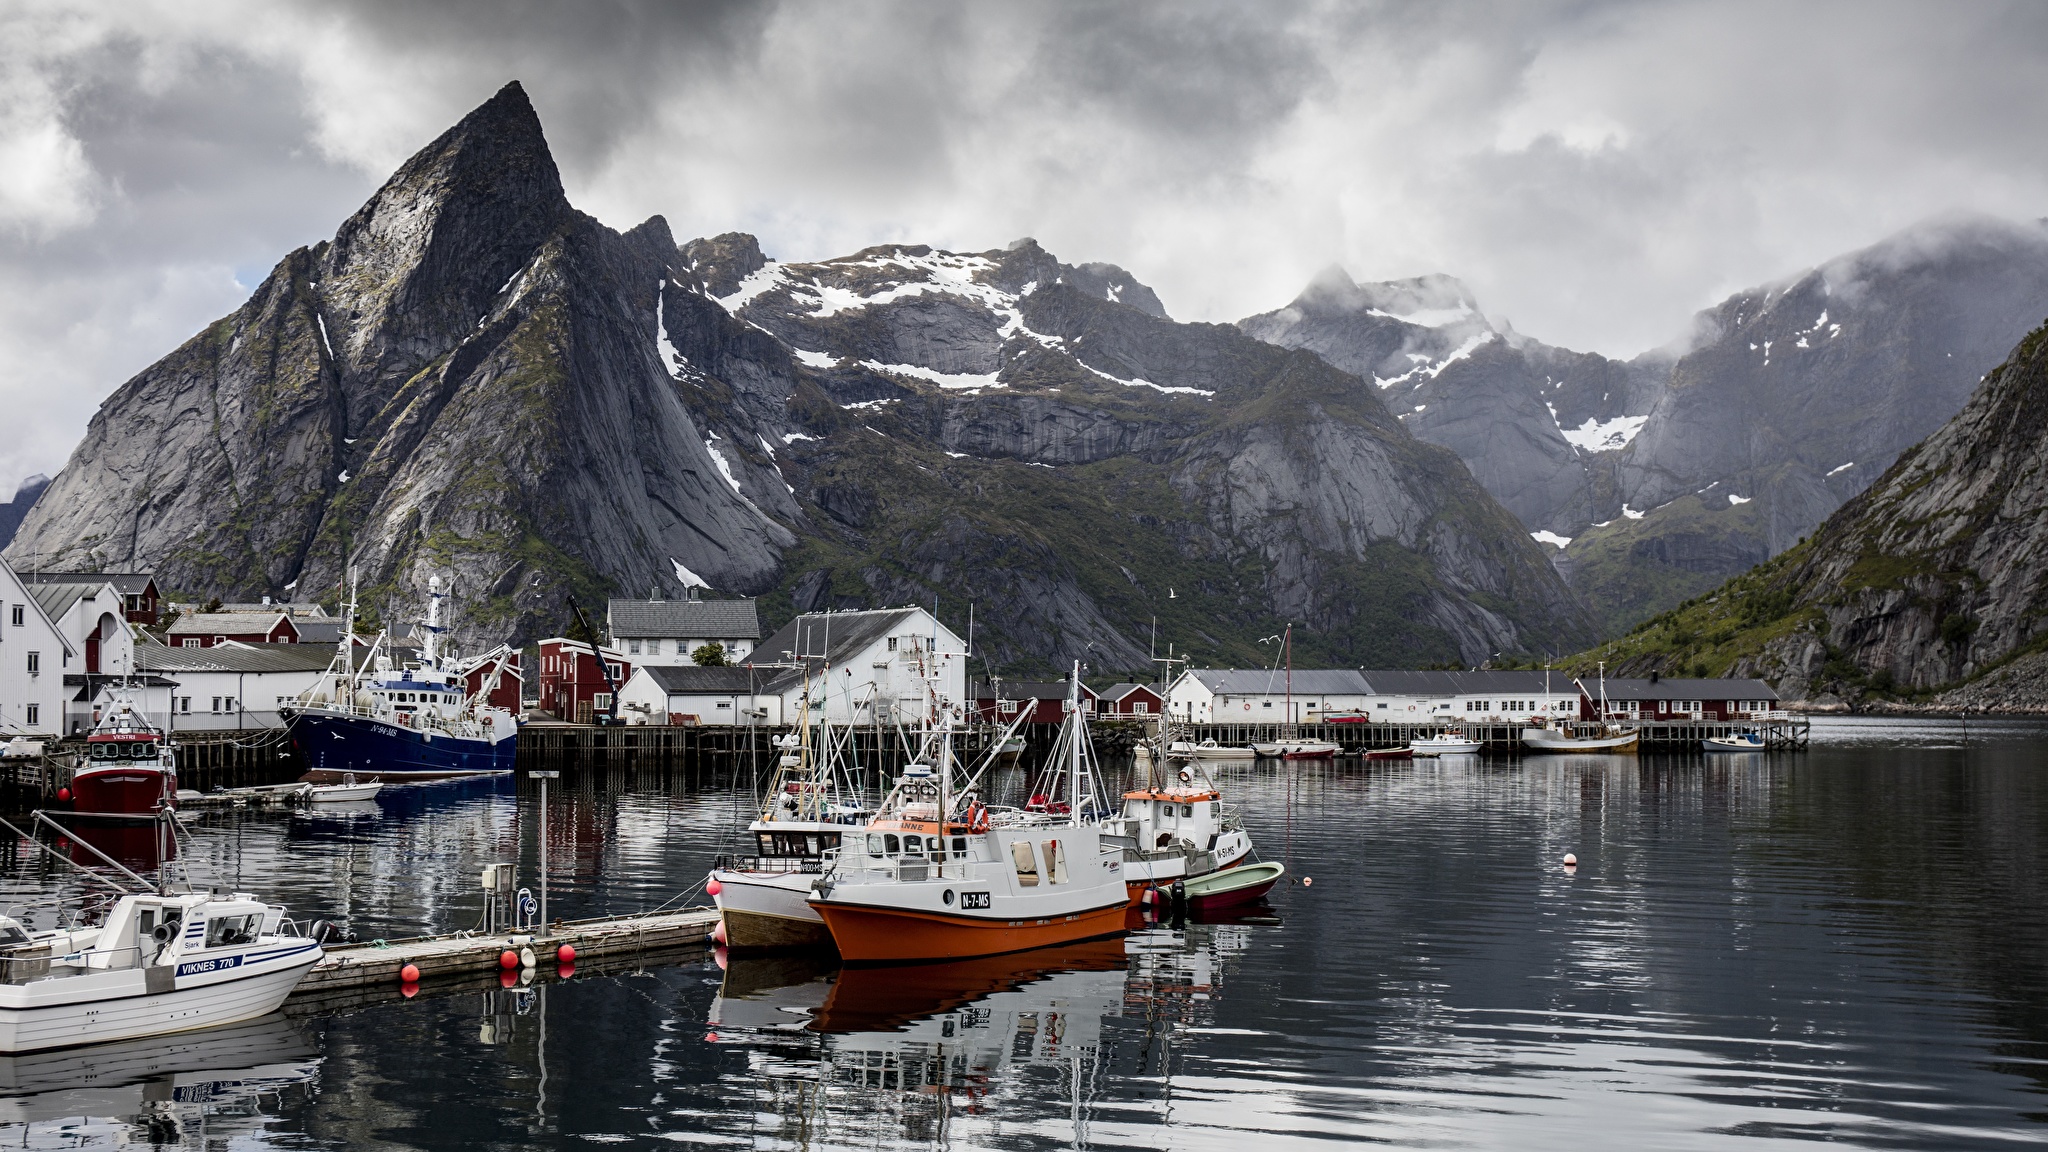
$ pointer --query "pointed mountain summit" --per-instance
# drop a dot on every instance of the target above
(468, 381)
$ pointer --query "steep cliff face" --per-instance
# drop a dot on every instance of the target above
(15, 510)
(1185, 471)
(1538, 426)
(467, 381)
(1661, 477)
(474, 381)
(1928, 578)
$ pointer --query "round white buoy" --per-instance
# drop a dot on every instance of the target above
(1571, 860)
(526, 957)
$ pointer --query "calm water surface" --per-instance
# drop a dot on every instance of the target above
(1849, 944)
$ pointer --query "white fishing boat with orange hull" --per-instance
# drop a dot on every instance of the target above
(1175, 827)
(940, 876)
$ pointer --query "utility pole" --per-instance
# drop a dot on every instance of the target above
(542, 836)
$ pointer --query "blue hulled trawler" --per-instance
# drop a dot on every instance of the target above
(374, 718)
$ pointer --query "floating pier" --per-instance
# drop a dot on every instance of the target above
(1779, 733)
(348, 968)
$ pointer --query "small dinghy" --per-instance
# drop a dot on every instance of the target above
(1401, 753)
(1240, 885)
(1739, 742)
(345, 792)
(1207, 750)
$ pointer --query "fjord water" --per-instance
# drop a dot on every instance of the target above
(1848, 944)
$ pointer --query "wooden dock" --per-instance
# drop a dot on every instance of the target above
(1780, 733)
(352, 966)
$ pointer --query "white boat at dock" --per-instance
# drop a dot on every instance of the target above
(1565, 739)
(1207, 750)
(348, 791)
(1295, 749)
(1444, 744)
(1735, 742)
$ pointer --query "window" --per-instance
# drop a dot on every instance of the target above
(892, 643)
(1141, 708)
(1026, 863)
(1267, 704)
(891, 844)
(725, 703)
(222, 931)
(874, 844)
(614, 670)
(190, 642)
(19, 615)
(228, 703)
(35, 714)
(602, 701)
(185, 705)
(216, 705)
(1055, 863)
(35, 663)
(220, 639)
(1383, 703)
(633, 647)
(1006, 707)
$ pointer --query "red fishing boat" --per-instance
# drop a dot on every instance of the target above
(128, 771)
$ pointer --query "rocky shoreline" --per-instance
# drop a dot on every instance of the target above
(2016, 689)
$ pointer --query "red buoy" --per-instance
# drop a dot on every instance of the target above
(711, 1037)
(410, 974)
(64, 794)
(507, 978)
(565, 970)
(718, 932)
(566, 954)
(713, 887)
(721, 957)
(508, 959)
(409, 989)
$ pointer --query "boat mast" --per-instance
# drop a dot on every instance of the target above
(430, 654)
(1287, 647)
(1080, 738)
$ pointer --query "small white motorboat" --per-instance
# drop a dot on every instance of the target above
(1295, 749)
(345, 792)
(1739, 742)
(162, 963)
(1206, 750)
(1443, 744)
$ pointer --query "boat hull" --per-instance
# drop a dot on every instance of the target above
(1241, 886)
(1543, 740)
(122, 1012)
(1388, 754)
(768, 911)
(868, 934)
(128, 790)
(1715, 744)
(1447, 748)
(335, 745)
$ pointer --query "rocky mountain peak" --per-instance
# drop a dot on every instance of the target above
(722, 261)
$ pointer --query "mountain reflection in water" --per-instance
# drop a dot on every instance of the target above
(1756, 949)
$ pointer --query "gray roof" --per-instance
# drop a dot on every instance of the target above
(1119, 691)
(1475, 683)
(1274, 681)
(223, 623)
(126, 583)
(1628, 688)
(684, 619)
(233, 657)
(57, 599)
(319, 629)
(292, 608)
(691, 680)
(833, 636)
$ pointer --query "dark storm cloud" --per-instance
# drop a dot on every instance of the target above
(1596, 171)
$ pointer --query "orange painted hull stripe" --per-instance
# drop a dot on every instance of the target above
(895, 934)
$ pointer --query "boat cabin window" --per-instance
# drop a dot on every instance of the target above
(11, 934)
(1026, 863)
(796, 843)
(893, 845)
(1055, 862)
(960, 847)
(222, 931)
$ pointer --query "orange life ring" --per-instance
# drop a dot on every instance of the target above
(977, 819)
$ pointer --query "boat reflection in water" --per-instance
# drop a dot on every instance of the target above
(946, 1052)
(138, 845)
(200, 1087)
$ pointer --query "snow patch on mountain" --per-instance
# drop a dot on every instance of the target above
(1597, 435)
(942, 379)
(1546, 536)
(815, 359)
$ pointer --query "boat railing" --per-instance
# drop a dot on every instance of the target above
(44, 966)
(730, 862)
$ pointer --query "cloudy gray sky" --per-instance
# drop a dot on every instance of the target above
(1595, 171)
